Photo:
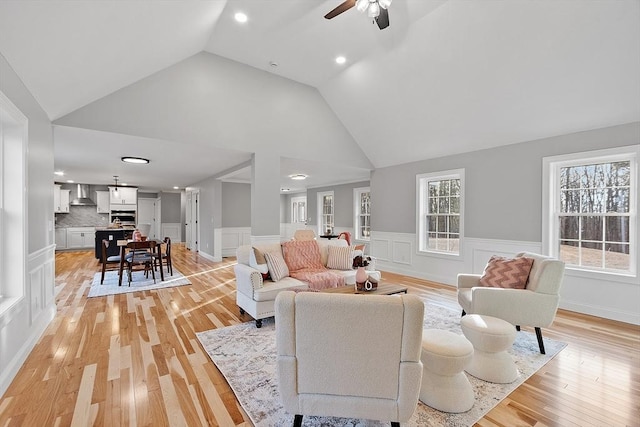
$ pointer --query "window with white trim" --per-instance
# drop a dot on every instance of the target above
(362, 213)
(13, 143)
(440, 211)
(592, 222)
(325, 212)
(299, 210)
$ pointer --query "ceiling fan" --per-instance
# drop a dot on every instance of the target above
(376, 9)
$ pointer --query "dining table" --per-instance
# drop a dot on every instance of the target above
(124, 244)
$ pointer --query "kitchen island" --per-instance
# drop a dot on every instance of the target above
(111, 234)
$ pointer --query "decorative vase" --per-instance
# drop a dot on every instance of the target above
(361, 276)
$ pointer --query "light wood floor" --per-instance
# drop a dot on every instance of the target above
(133, 359)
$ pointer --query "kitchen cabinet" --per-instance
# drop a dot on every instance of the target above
(61, 238)
(102, 201)
(60, 199)
(80, 237)
(124, 196)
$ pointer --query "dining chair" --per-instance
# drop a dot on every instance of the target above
(107, 260)
(166, 256)
(140, 254)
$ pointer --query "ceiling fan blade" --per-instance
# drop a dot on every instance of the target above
(383, 19)
(343, 7)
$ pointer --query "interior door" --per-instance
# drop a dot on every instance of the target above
(195, 230)
(147, 215)
(188, 242)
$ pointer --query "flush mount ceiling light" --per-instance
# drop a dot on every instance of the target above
(240, 17)
(136, 160)
(284, 190)
(59, 173)
(341, 60)
(298, 176)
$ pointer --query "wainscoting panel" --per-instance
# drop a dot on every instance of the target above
(171, 230)
(232, 238)
(402, 252)
(23, 324)
(380, 248)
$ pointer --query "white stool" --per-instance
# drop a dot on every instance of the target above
(491, 338)
(444, 356)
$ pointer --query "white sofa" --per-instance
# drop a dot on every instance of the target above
(256, 296)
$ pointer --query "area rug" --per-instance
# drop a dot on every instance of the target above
(138, 283)
(246, 356)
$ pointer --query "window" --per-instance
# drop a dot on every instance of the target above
(440, 207)
(13, 143)
(592, 205)
(362, 209)
(325, 212)
(299, 210)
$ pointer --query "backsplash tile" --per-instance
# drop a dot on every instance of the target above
(82, 216)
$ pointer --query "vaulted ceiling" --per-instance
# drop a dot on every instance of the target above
(447, 76)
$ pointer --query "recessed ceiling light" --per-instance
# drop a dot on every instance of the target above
(59, 173)
(298, 176)
(341, 59)
(240, 17)
(137, 160)
(176, 188)
(274, 64)
(70, 181)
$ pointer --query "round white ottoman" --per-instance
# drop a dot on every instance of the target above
(491, 338)
(444, 356)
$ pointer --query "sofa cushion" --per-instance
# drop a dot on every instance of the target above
(277, 267)
(301, 255)
(340, 258)
(270, 289)
(502, 272)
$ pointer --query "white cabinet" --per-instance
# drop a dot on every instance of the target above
(60, 199)
(61, 238)
(102, 201)
(124, 196)
(81, 237)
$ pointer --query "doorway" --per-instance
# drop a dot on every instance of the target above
(192, 227)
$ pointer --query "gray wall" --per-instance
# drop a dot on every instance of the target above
(342, 203)
(503, 186)
(170, 207)
(236, 204)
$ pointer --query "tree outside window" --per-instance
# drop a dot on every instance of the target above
(594, 214)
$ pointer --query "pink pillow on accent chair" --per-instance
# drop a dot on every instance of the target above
(502, 272)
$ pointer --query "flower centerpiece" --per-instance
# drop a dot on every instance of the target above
(361, 261)
(363, 281)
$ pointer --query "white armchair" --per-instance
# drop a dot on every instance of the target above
(534, 306)
(349, 355)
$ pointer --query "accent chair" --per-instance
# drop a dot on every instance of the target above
(534, 306)
(347, 355)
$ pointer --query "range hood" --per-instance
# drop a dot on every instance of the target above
(82, 197)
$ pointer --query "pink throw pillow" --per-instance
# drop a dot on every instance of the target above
(301, 254)
(502, 272)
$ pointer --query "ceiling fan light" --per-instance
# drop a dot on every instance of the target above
(362, 5)
(374, 10)
(384, 3)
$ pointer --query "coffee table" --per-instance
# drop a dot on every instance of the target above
(383, 289)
